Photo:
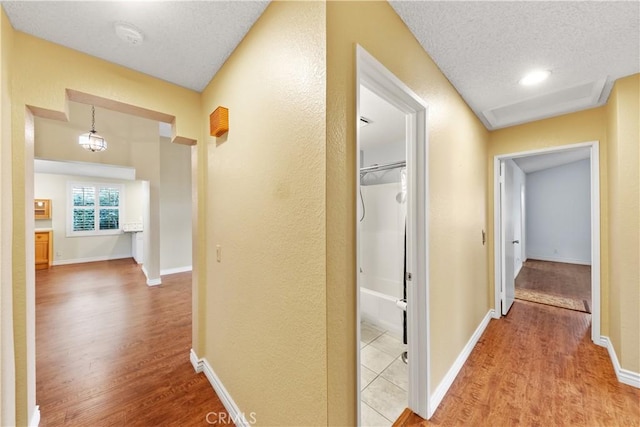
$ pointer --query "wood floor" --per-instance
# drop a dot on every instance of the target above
(568, 280)
(111, 351)
(536, 367)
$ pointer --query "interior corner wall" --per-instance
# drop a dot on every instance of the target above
(146, 159)
(7, 364)
(41, 75)
(623, 113)
(175, 206)
(198, 243)
(582, 126)
(266, 296)
(457, 195)
(559, 213)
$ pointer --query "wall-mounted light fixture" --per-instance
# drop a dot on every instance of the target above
(91, 140)
(219, 122)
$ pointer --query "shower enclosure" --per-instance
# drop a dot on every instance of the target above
(382, 214)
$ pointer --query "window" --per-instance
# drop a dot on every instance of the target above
(94, 209)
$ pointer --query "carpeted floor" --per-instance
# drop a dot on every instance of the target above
(555, 300)
(553, 283)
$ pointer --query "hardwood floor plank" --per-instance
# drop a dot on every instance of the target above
(536, 367)
(111, 351)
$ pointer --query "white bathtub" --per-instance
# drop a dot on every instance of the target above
(381, 310)
(381, 256)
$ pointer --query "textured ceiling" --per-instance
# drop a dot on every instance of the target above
(484, 48)
(184, 42)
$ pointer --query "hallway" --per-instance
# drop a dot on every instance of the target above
(112, 351)
(536, 366)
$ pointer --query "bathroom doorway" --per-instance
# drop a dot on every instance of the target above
(391, 246)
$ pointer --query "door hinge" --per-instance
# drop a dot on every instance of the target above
(408, 277)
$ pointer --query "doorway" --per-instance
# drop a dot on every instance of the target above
(26, 311)
(392, 185)
(510, 196)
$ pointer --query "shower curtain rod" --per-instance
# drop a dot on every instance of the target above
(382, 167)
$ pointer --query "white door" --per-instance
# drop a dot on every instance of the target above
(507, 241)
(517, 228)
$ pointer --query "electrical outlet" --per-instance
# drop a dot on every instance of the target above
(218, 253)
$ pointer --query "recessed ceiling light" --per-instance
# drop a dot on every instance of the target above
(534, 77)
(129, 33)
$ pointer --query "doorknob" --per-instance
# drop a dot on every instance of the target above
(516, 241)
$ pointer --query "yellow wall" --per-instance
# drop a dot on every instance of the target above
(583, 126)
(457, 176)
(7, 366)
(265, 206)
(623, 114)
(41, 74)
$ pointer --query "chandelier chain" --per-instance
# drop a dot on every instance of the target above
(93, 119)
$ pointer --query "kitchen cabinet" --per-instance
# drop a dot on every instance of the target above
(137, 247)
(44, 249)
(42, 208)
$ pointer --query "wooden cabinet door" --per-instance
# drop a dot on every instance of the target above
(42, 250)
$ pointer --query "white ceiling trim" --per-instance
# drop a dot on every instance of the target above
(563, 101)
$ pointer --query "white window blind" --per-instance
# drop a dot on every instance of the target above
(94, 209)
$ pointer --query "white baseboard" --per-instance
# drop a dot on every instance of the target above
(534, 257)
(602, 342)
(34, 419)
(238, 417)
(624, 376)
(448, 379)
(90, 259)
(175, 270)
(195, 362)
(151, 282)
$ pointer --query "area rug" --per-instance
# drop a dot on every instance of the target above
(554, 300)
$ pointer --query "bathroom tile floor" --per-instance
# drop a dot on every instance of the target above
(384, 377)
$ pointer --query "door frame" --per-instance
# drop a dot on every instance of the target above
(371, 74)
(594, 147)
(503, 241)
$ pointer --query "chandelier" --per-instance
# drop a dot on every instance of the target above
(91, 141)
